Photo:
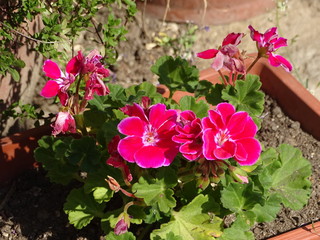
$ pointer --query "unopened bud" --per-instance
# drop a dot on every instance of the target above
(238, 175)
(203, 182)
(113, 184)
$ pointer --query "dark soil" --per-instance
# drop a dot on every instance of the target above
(32, 208)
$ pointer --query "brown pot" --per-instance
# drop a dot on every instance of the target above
(215, 12)
(296, 102)
(309, 232)
(16, 152)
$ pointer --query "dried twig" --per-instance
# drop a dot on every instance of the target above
(23, 35)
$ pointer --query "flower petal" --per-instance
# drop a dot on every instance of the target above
(51, 69)
(132, 126)
(73, 66)
(237, 122)
(209, 144)
(281, 42)
(128, 146)
(207, 54)
(232, 38)
(50, 90)
(227, 150)
(252, 148)
(218, 61)
(277, 60)
(149, 157)
(226, 110)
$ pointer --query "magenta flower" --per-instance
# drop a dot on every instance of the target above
(96, 72)
(227, 134)
(267, 43)
(149, 136)
(189, 136)
(116, 160)
(61, 82)
(227, 56)
(64, 123)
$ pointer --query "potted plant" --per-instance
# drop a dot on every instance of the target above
(151, 166)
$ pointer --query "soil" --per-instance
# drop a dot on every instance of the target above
(31, 206)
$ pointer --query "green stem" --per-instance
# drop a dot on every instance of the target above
(253, 63)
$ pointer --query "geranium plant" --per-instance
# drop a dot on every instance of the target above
(150, 167)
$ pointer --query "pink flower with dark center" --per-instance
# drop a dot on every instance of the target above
(116, 160)
(189, 136)
(64, 123)
(227, 134)
(269, 42)
(59, 86)
(149, 136)
(227, 56)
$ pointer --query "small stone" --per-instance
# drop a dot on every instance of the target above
(295, 125)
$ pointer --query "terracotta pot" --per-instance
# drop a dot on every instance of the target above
(296, 102)
(309, 232)
(16, 152)
(216, 11)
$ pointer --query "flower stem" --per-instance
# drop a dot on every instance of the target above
(223, 78)
(253, 63)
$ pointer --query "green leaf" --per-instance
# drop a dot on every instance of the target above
(246, 96)
(269, 210)
(192, 222)
(200, 108)
(176, 74)
(239, 230)
(124, 236)
(82, 208)
(238, 197)
(52, 153)
(158, 190)
(288, 177)
(96, 184)
(15, 74)
(84, 153)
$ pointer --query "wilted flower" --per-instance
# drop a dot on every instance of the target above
(227, 133)
(64, 123)
(227, 56)
(267, 43)
(149, 136)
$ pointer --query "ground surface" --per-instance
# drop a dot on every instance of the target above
(32, 208)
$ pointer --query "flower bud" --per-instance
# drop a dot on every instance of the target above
(238, 175)
(123, 224)
(203, 182)
(113, 184)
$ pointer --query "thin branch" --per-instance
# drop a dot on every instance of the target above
(23, 35)
(166, 12)
(97, 32)
(205, 6)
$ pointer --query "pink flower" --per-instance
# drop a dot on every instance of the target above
(116, 160)
(64, 123)
(227, 56)
(267, 43)
(227, 133)
(149, 136)
(189, 135)
(96, 72)
(61, 82)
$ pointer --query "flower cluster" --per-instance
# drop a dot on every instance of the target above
(155, 135)
(229, 57)
(88, 69)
